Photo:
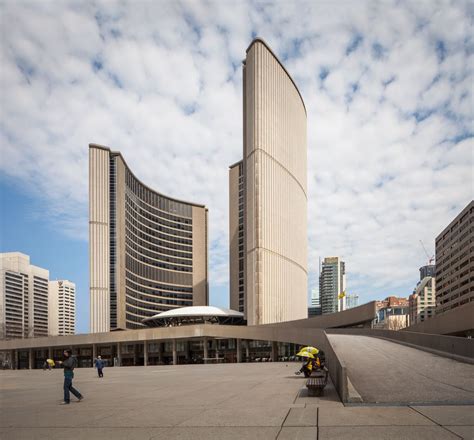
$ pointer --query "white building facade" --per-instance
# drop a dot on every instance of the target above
(23, 297)
(62, 308)
(423, 301)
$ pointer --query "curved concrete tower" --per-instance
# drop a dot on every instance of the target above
(148, 251)
(275, 192)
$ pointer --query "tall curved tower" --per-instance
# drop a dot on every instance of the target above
(270, 282)
(148, 252)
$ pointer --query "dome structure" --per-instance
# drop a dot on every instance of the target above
(195, 315)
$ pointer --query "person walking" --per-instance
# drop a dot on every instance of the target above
(99, 364)
(69, 364)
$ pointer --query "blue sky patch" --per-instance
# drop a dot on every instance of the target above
(354, 44)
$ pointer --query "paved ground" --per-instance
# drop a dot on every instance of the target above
(386, 372)
(230, 401)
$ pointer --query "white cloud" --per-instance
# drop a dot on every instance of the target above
(161, 82)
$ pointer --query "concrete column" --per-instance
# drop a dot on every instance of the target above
(135, 354)
(119, 355)
(247, 351)
(145, 353)
(50, 352)
(204, 342)
(30, 359)
(187, 351)
(175, 353)
(94, 354)
(13, 359)
(274, 351)
(160, 352)
(239, 350)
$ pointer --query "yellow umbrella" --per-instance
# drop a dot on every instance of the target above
(313, 350)
(304, 353)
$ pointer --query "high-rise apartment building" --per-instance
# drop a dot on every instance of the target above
(332, 284)
(23, 297)
(62, 308)
(422, 301)
(148, 252)
(455, 262)
(268, 189)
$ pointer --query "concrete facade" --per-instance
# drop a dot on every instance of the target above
(148, 252)
(455, 262)
(62, 308)
(237, 237)
(458, 321)
(275, 193)
(23, 297)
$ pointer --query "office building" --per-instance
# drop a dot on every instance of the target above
(332, 285)
(62, 308)
(352, 300)
(269, 281)
(315, 308)
(148, 252)
(427, 271)
(392, 313)
(423, 300)
(23, 297)
(315, 301)
(455, 262)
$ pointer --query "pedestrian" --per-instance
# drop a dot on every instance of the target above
(50, 363)
(99, 364)
(69, 363)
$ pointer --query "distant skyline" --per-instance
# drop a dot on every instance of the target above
(387, 88)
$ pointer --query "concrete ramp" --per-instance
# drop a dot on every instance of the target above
(387, 372)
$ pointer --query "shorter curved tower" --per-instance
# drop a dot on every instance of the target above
(148, 252)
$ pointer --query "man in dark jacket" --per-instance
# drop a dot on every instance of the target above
(69, 363)
(99, 364)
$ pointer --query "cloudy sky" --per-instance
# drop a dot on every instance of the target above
(387, 87)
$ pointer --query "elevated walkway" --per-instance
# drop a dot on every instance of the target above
(385, 372)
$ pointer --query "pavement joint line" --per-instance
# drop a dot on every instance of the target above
(408, 404)
(452, 432)
(434, 421)
(147, 427)
(317, 422)
(298, 394)
(282, 423)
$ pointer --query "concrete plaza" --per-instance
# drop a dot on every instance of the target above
(227, 401)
